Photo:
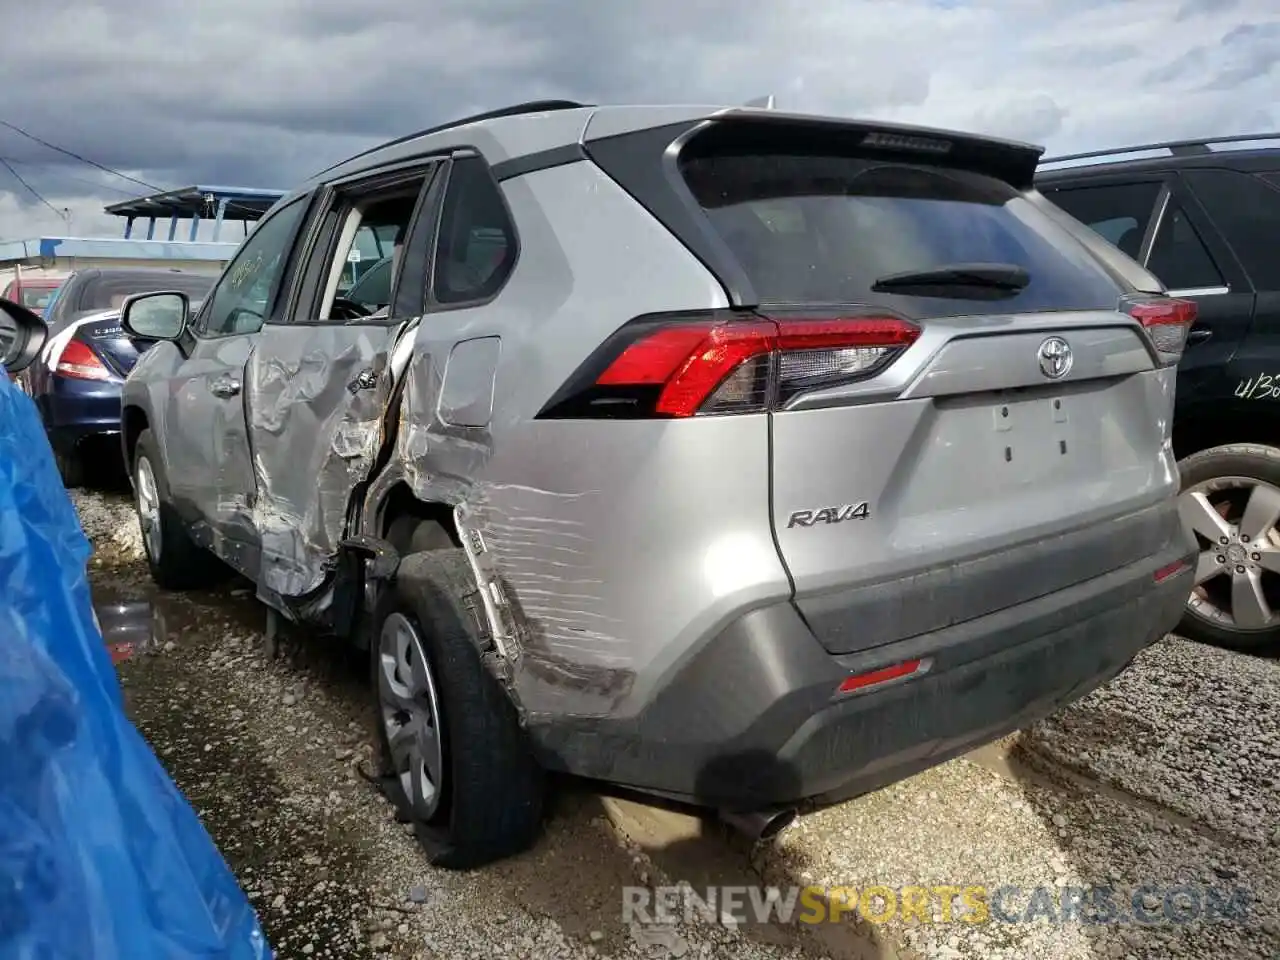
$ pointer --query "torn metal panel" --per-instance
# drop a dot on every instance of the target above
(317, 395)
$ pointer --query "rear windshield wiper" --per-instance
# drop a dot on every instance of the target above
(990, 277)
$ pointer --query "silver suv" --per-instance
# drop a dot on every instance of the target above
(740, 457)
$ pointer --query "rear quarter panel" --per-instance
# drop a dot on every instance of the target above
(621, 545)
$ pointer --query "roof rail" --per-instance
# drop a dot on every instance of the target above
(533, 106)
(1195, 147)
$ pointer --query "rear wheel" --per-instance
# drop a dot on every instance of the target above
(1231, 500)
(455, 761)
(70, 466)
(175, 560)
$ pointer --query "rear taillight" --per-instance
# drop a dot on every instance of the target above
(81, 363)
(1167, 320)
(726, 363)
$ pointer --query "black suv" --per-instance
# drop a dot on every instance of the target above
(1204, 217)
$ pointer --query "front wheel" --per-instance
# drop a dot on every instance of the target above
(1231, 501)
(175, 560)
(455, 761)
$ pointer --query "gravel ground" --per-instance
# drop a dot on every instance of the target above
(1168, 776)
(1191, 727)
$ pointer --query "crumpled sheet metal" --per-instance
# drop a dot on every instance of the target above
(565, 647)
(100, 855)
(301, 508)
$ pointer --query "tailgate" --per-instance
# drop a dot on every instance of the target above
(983, 485)
(994, 407)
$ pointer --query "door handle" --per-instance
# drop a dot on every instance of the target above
(224, 387)
(1198, 336)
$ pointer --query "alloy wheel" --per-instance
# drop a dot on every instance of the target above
(1237, 581)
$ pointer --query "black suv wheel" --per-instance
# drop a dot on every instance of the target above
(1231, 499)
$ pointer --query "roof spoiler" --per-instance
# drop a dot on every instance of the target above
(1013, 162)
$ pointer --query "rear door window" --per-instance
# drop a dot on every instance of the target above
(1178, 255)
(1247, 210)
(824, 229)
(1118, 212)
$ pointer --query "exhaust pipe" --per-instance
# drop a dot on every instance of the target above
(760, 826)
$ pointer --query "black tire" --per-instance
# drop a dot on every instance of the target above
(182, 564)
(491, 800)
(409, 534)
(1251, 461)
(70, 466)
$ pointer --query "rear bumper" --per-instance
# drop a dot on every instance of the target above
(752, 719)
(73, 411)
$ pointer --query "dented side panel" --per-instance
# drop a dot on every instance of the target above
(316, 399)
(606, 550)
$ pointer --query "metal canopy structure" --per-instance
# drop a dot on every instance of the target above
(246, 204)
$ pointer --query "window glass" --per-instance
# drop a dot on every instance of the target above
(827, 229)
(370, 245)
(373, 244)
(1178, 255)
(477, 242)
(1247, 209)
(244, 295)
(1118, 212)
(373, 289)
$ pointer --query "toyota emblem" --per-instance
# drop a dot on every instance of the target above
(1055, 358)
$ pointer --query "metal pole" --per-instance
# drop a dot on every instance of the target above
(217, 223)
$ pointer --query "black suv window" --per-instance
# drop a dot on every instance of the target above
(244, 295)
(1118, 212)
(1247, 210)
(476, 249)
(1178, 255)
(825, 229)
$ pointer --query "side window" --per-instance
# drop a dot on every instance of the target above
(371, 248)
(243, 297)
(1179, 257)
(1247, 210)
(356, 271)
(476, 249)
(1118, 212)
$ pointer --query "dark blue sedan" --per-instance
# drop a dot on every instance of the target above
(76, 380)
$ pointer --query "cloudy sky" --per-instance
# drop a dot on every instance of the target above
(265, 92)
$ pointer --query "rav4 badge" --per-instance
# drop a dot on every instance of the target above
(848, 511)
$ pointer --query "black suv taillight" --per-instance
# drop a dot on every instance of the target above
(683, 366)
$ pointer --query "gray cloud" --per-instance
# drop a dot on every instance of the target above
(264, 92)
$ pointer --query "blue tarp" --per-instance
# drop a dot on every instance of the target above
(101, 857)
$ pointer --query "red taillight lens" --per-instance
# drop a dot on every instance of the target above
(712, 365)
(1167, 320)
(81, 363)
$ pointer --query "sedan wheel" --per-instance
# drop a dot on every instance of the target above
(1237, 583)
(410, 710)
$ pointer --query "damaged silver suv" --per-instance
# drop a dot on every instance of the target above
(740, 457)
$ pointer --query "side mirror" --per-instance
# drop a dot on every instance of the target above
(155, 316)
(22, 334)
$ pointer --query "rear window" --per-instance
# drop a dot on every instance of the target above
(37, 297)
(109, 291)
(824, 229)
